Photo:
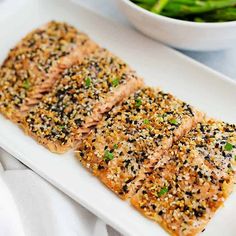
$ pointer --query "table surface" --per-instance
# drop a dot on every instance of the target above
(223, 61)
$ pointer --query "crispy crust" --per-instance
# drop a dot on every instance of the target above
(83, 93)
(114, 97)
(192, 180)
(84, 47)
(139, 145)
(33, 66)
(165, 226)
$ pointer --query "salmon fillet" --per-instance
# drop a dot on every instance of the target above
(78, 100)
(192, 180)
(130, 139)
(32, 67)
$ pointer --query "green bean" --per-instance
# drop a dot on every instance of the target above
(146, 2)
(174, 9)
(221, 15)
(145, 6)
(157, 8)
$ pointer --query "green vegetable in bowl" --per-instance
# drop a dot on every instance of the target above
(192, 10)
(159, 6)
(221, 15)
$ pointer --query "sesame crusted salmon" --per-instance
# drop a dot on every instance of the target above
(192, 180)
(79, 98)
(130, 139)
(32, 67)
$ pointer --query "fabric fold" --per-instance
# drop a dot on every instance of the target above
(30, 206)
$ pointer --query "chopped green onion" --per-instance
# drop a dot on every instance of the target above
(163, 191)
(173, 122)
(161, 117)
(62, 126)
(138, 102)
(235, 157)
(26, 84)
(108, 155)
(228, 146)
(115, 146)
(115, 82)
(87, 82)
(146, 121)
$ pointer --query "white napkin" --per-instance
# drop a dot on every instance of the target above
(40, 209)
(10, 224)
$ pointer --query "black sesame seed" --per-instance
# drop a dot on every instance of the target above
(200, 174)
(81, 154)
(160, 213)
(125, 188)
(188, 193)
(186, 208)
(153, 206)
(100, 167)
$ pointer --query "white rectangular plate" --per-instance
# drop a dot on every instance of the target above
(159, 65)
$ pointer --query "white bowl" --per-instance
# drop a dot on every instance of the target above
(178, 33)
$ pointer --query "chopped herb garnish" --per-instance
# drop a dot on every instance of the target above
(108, 155)
(235, 157)
(115, 146)
(62, 126)
(138, 102)
(26, 84)
(163, 191)
(161, 117)
(146, 121)
(173, 122)
(87, 82)
(228, 146)
(115, 82)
